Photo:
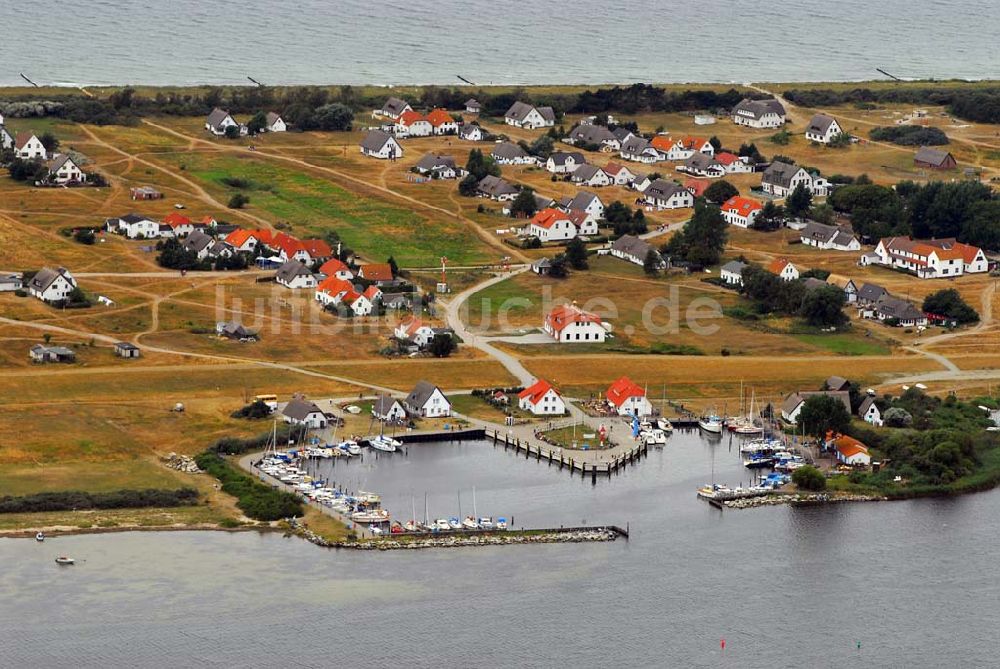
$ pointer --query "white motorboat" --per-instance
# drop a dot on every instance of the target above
(442, 524)
(501, 523)
(711, 423)
(40, 536)
(664, 424)
(486, 523)
(470, 523)
(654, 438)
(383, 443)
(454, 523)
(63, 559)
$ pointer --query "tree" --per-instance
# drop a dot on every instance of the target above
(542, 147)
(468, 185)
(232, 132)
(256, 125)
(576, 254)
(238, 200)
(84, 236)
(823, 413)
(49, 141)
(702, 239)
(333, 117)
(897, 417)
(720, 191)
(750, 151)
(771, 217)
(480, 166)
(799, 201)
(651, 263)
(781, 138)
(983, 226)
(442, 345)
(393, 266)
(809, 478)
(822, 213)
(840, 140)
(524, 205)
(716, 143)
(557, 267)
(949, 303)
(824, 307)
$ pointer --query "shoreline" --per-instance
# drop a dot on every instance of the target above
(15, 85)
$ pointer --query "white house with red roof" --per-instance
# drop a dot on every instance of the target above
(685, 147)
(931, 258)
(27, 146)
(628, 399)
(413, 124)
(359, 304)
(541, 399)
(620, 175)
(553, 225)
(243, 241)
(379, 272)
(442, 122)
(734, 164)
(179, 223)
(741, 211)
(568, 323)
(784, 269)
(331, 290)
(337, 268)
(852, 452)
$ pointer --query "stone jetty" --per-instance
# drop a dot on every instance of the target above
(801, 499)
(505, 538)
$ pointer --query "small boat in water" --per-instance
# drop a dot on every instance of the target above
(711, 423)
(442, 524)
(486, 523)
(501, 523)
(373, 516)
(664, 424)
(470, 523)
(454, 523)
(653, 438)
(62, 559)
(383, 443)
(40, 536)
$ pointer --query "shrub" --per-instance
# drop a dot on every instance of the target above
(238, 201)
(910, 135)
(808, 477)
(255, 499)
(118, 499)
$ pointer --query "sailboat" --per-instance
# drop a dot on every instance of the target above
(384, 443)
(748, 424)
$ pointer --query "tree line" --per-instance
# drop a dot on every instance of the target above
(76, 500)
(980, 104)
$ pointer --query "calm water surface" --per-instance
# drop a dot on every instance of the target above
(913, 581)
(422, 41)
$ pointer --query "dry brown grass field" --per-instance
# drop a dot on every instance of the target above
(102, 422)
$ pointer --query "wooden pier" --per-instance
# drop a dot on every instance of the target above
(568, 461)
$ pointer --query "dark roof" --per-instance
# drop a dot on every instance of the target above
(473, 102)
(585, 172)
(432, 161)
(420, 394)
(871, 292)
(469, 128)
(926, 154)
(198, 241)
(216, 117)
(375, 140)
(383, 404)
(290, 270)
(894, 307)
(58, 160)
(866, 404)
(395, 106)
(819, 124)
(632, 246)
(635, 145)
(298, 409)
(794, 399)
(543, 202)
(591, 134)
(701, 161)
(45, 278)
(758, 108)
(508, 151)
(520, 110)
(126, 346)
(493, 186)
(663, 189)
(272, 117)
(780, 174)
(235, 328)
(621, 134)
(812, 283)
(837, 383)
(581, 201)
(824, 233)
(733, 266)
(560, 157)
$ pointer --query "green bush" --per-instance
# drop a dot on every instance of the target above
(808, 477)
(75, 500)
(255, 499)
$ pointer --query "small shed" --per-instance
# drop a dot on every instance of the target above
(124, 349)
(934, 159)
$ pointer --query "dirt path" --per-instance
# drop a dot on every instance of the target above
(264, 153)
(196, 190)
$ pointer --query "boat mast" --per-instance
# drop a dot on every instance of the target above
(475, 511)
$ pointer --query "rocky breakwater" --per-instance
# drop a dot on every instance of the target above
(458, 540)
(800, 499)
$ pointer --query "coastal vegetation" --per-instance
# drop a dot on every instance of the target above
(972, 103)
(910, 135)
(76, 500)
(256, 500)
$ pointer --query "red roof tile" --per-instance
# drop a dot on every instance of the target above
(621, 390)
(535, 392)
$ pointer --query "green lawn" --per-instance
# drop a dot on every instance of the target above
(137, 474)
(845, 344)
(311, 206)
